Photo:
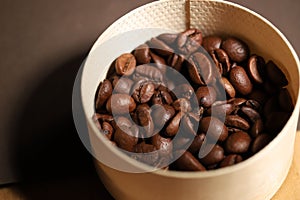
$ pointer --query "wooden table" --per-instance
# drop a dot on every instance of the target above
(89, 187)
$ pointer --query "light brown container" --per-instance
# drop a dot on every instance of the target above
(260, 176)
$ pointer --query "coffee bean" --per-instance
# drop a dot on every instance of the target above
(237, 122)
(184, 90)
(104, 92)
(270, 87)
(126, 138)
(188, 162)
(240, 81)
(162, 114)
(175, 61)
(125, 64)
(251, 114)
(222, 60)
(197, 143)
(229, 89)
(164, 145)
(253, 104)
(260, 142)
(211, 43)
(200, 69)
(188, 125)
(168, 38)
(146, 153)
(103, 117)
(221, 110)
(181, 143)
(258, 95)
(230, 160)
(272, 105)
(237, 50)
(143, 92)
(142, 54)
(237, 101)
(148, 72)
(275, 74)
(285, 100)
(160, 62)
(160, 47)
(121, 103)
(206, 96)
(255, 67)
(213, 128)
(182, 104)
(257, 128)
(189, 41)
(145, 119)
(123, 85)
(107, 130)
(238, 142)
(215, 155)
(275, 121)
(173, 126)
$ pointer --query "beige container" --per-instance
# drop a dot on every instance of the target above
(260, 176)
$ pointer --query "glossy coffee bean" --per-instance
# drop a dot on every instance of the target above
(143, 92)
(125, 64)
(260, 142)
(200, 69)
(275, 75)
(237, 122)
(159, 61)
(121, 103)
(175, 61)
(168, 38)
(211, 43)
(238, 142)
(258, 95)
(184, 90)
(164, 145)
(182, 104)
(257, 128)
(285, 100)
(229, 89)
(222, 60)
(196, 144)
(237, 50)
(251, 113)
(230, 160)
(213, 128)
(160, 47)
(162, 114)
(142, 54)
(253, 104)
(146, 153)
(206, 96)
(188, 126)
(240, 80)
(215, 155)
(143, 112)
(256, 68)
(189, 41)
(104, 92)
(237, 101)
(221, 110)
(188, 162)
(103, 117)
(123, 85)
(173, 126)
(126, 138)
(148, 72)
(107, 130)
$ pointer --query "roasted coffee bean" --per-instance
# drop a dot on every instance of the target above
(256, 68)
(123, 85)
(229, 89)
(148, 72)
(188, 162)
(143, 92)
(173, 126)
(211, 43)
(103, 117)
(181, 142)
(213, 128)
(197, 143)
(275, 75)
(215, 155)
(145, 119)
(200, 69)
(230, 160)
(221, 110)
(147, 153)
(240, 81)
(120, 104)
(107, 130)
(272, 105)
(260, 142)
(168, 38)
(238, 142)
(162, 114)
(160, 62)
(253, 104)
(237, 122)
(188, 126)
(182, 104)
(270, 87)
(251, 114)
(237, 101)
(184, 90)
(159, 47)
(257, 128)
(258, 95)
(104, 92)
(164, 145)
(175, 61)
(161, 97)
(125, 64)
(126, 137)
(237, 50)
(285, 100)
(142, 54)
(222, 60)
(275, 121)
(206, 96)
(189, 41)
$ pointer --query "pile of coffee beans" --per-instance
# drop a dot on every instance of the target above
(232, 104)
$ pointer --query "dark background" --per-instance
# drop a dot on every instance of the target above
(42, 44)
